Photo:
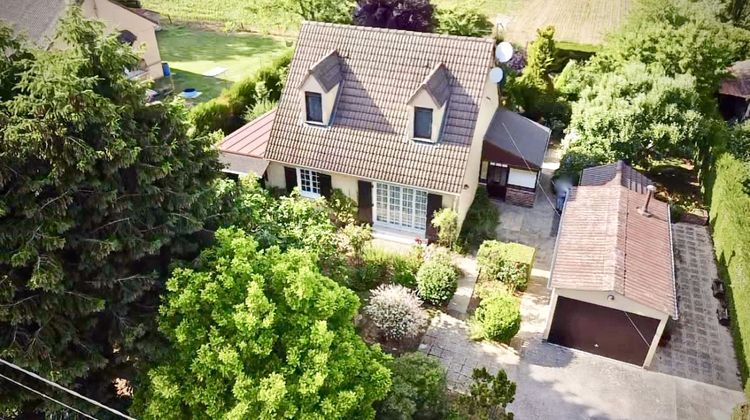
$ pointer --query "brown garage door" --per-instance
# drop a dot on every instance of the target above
(600, 330)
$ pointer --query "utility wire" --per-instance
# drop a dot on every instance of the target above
(47, 397)
(62, 388)
(529, 167)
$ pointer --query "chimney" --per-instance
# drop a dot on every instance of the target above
(644, 211)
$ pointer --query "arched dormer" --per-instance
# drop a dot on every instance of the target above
(427, 106)
(319, 90)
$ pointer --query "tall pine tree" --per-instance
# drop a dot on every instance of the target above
(98, 192)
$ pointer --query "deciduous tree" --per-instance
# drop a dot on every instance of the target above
(261, 334)
(410, 15)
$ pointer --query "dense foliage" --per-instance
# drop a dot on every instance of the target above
(727, 184)
(261, 334)
(396, 311)
(437, 281)
(462, 19)
(488, 396)
(410, 15)
(498, 316)
(649, 93)
(508, 263)
(247, 98)
(418, 392)
(380, 266)
(99, 193)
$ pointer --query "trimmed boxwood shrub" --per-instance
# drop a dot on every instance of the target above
(498, 317)
(418, 391)
(509, 263)
(437, 281)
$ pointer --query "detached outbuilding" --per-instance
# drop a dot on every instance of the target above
(612, 278)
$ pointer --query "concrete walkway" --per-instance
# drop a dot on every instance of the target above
(459, 303)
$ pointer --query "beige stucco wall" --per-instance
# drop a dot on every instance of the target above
(487, 108)
(118, 18)
(522, 178)
(423, 100)
(620, 302)
(328, 99)
(347, 184)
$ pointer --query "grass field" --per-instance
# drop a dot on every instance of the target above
(192, 52)
(575, 21)
(224, 14)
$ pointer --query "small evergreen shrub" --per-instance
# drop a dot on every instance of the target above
(437, 281)
(396, 311)
(509, 263)
(497, 318)
(488, 397)
(445, 221)
(418, 391)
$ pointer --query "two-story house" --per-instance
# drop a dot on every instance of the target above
(402, 122)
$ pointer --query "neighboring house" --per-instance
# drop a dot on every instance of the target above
(612, 277)
(396, 120)
(734, 92)
(37, 20)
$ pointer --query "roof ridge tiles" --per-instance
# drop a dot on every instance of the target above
(401, 31)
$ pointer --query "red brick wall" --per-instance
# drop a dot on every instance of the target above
(520, 197)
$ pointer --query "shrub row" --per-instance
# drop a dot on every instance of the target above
(226, 112)
(727, 184)
(509, 263)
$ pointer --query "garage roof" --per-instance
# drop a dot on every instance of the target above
(606, 244)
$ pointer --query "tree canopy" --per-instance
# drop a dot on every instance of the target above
(410, 15)
(261, 334)
(99, 192)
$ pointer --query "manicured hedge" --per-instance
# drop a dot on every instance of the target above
(225, 112)
(501, 261)
(727, 184)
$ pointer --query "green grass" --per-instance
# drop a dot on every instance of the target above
(192, 52)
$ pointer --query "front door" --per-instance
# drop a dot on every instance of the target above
(497, 180)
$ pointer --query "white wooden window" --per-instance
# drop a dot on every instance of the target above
(309, 183)
(400, 207)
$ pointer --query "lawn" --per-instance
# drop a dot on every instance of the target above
(192, 52)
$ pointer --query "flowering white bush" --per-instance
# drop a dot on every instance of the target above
(396, 311)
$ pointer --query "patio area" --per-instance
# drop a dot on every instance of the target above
(700, 348)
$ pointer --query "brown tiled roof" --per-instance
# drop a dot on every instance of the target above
(605, 243)
(327, 71)
(242, 150)
(738, 84)
(381, 68)
(437, 85)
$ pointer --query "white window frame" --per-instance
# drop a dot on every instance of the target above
(389, 225)
(308, 193)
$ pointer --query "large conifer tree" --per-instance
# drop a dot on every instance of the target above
(98, 192)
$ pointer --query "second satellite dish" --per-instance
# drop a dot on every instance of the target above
(504, 52)
(496, 75)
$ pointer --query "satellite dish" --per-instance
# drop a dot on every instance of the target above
(504, 52)
(496, 75)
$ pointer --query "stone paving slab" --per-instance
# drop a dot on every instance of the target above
(700, 348)
(459, 303)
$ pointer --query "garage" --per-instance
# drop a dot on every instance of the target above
(608, 332)
(612, 275)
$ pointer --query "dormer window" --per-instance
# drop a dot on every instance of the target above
(314, 107)
(428, 106)
(422, 123)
